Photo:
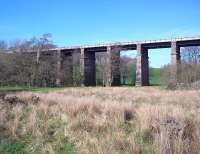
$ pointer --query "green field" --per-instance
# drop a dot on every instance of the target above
(155, 77)
(32, 89)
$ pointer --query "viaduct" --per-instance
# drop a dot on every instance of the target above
(87, 59)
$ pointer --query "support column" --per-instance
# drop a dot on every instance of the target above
(38, 56)
(67, 69)
(88, 68)
(113, 65)
(142, 66)
(59, 68)
(175, 61)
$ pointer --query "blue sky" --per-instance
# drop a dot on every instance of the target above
(76, 22)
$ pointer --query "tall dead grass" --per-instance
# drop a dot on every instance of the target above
(107, 120)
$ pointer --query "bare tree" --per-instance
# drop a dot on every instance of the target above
(127, 68)
(3, 45)
(191, 55)
(101, 68)
(21, 67)
(188, 71)
(190, 66)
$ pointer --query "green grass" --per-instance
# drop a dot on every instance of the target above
(26, 145)
(12, 148)
(32, 89)
(155, 77)
(51, 133)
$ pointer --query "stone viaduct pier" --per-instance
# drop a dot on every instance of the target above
(87, 59)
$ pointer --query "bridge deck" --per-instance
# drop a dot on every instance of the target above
(149, 44)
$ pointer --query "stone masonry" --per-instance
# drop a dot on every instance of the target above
(113, 66)
(64, 69)
(142, 66)
(88, 68)
(175, 61)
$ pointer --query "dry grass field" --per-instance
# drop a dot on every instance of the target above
(101, 121)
